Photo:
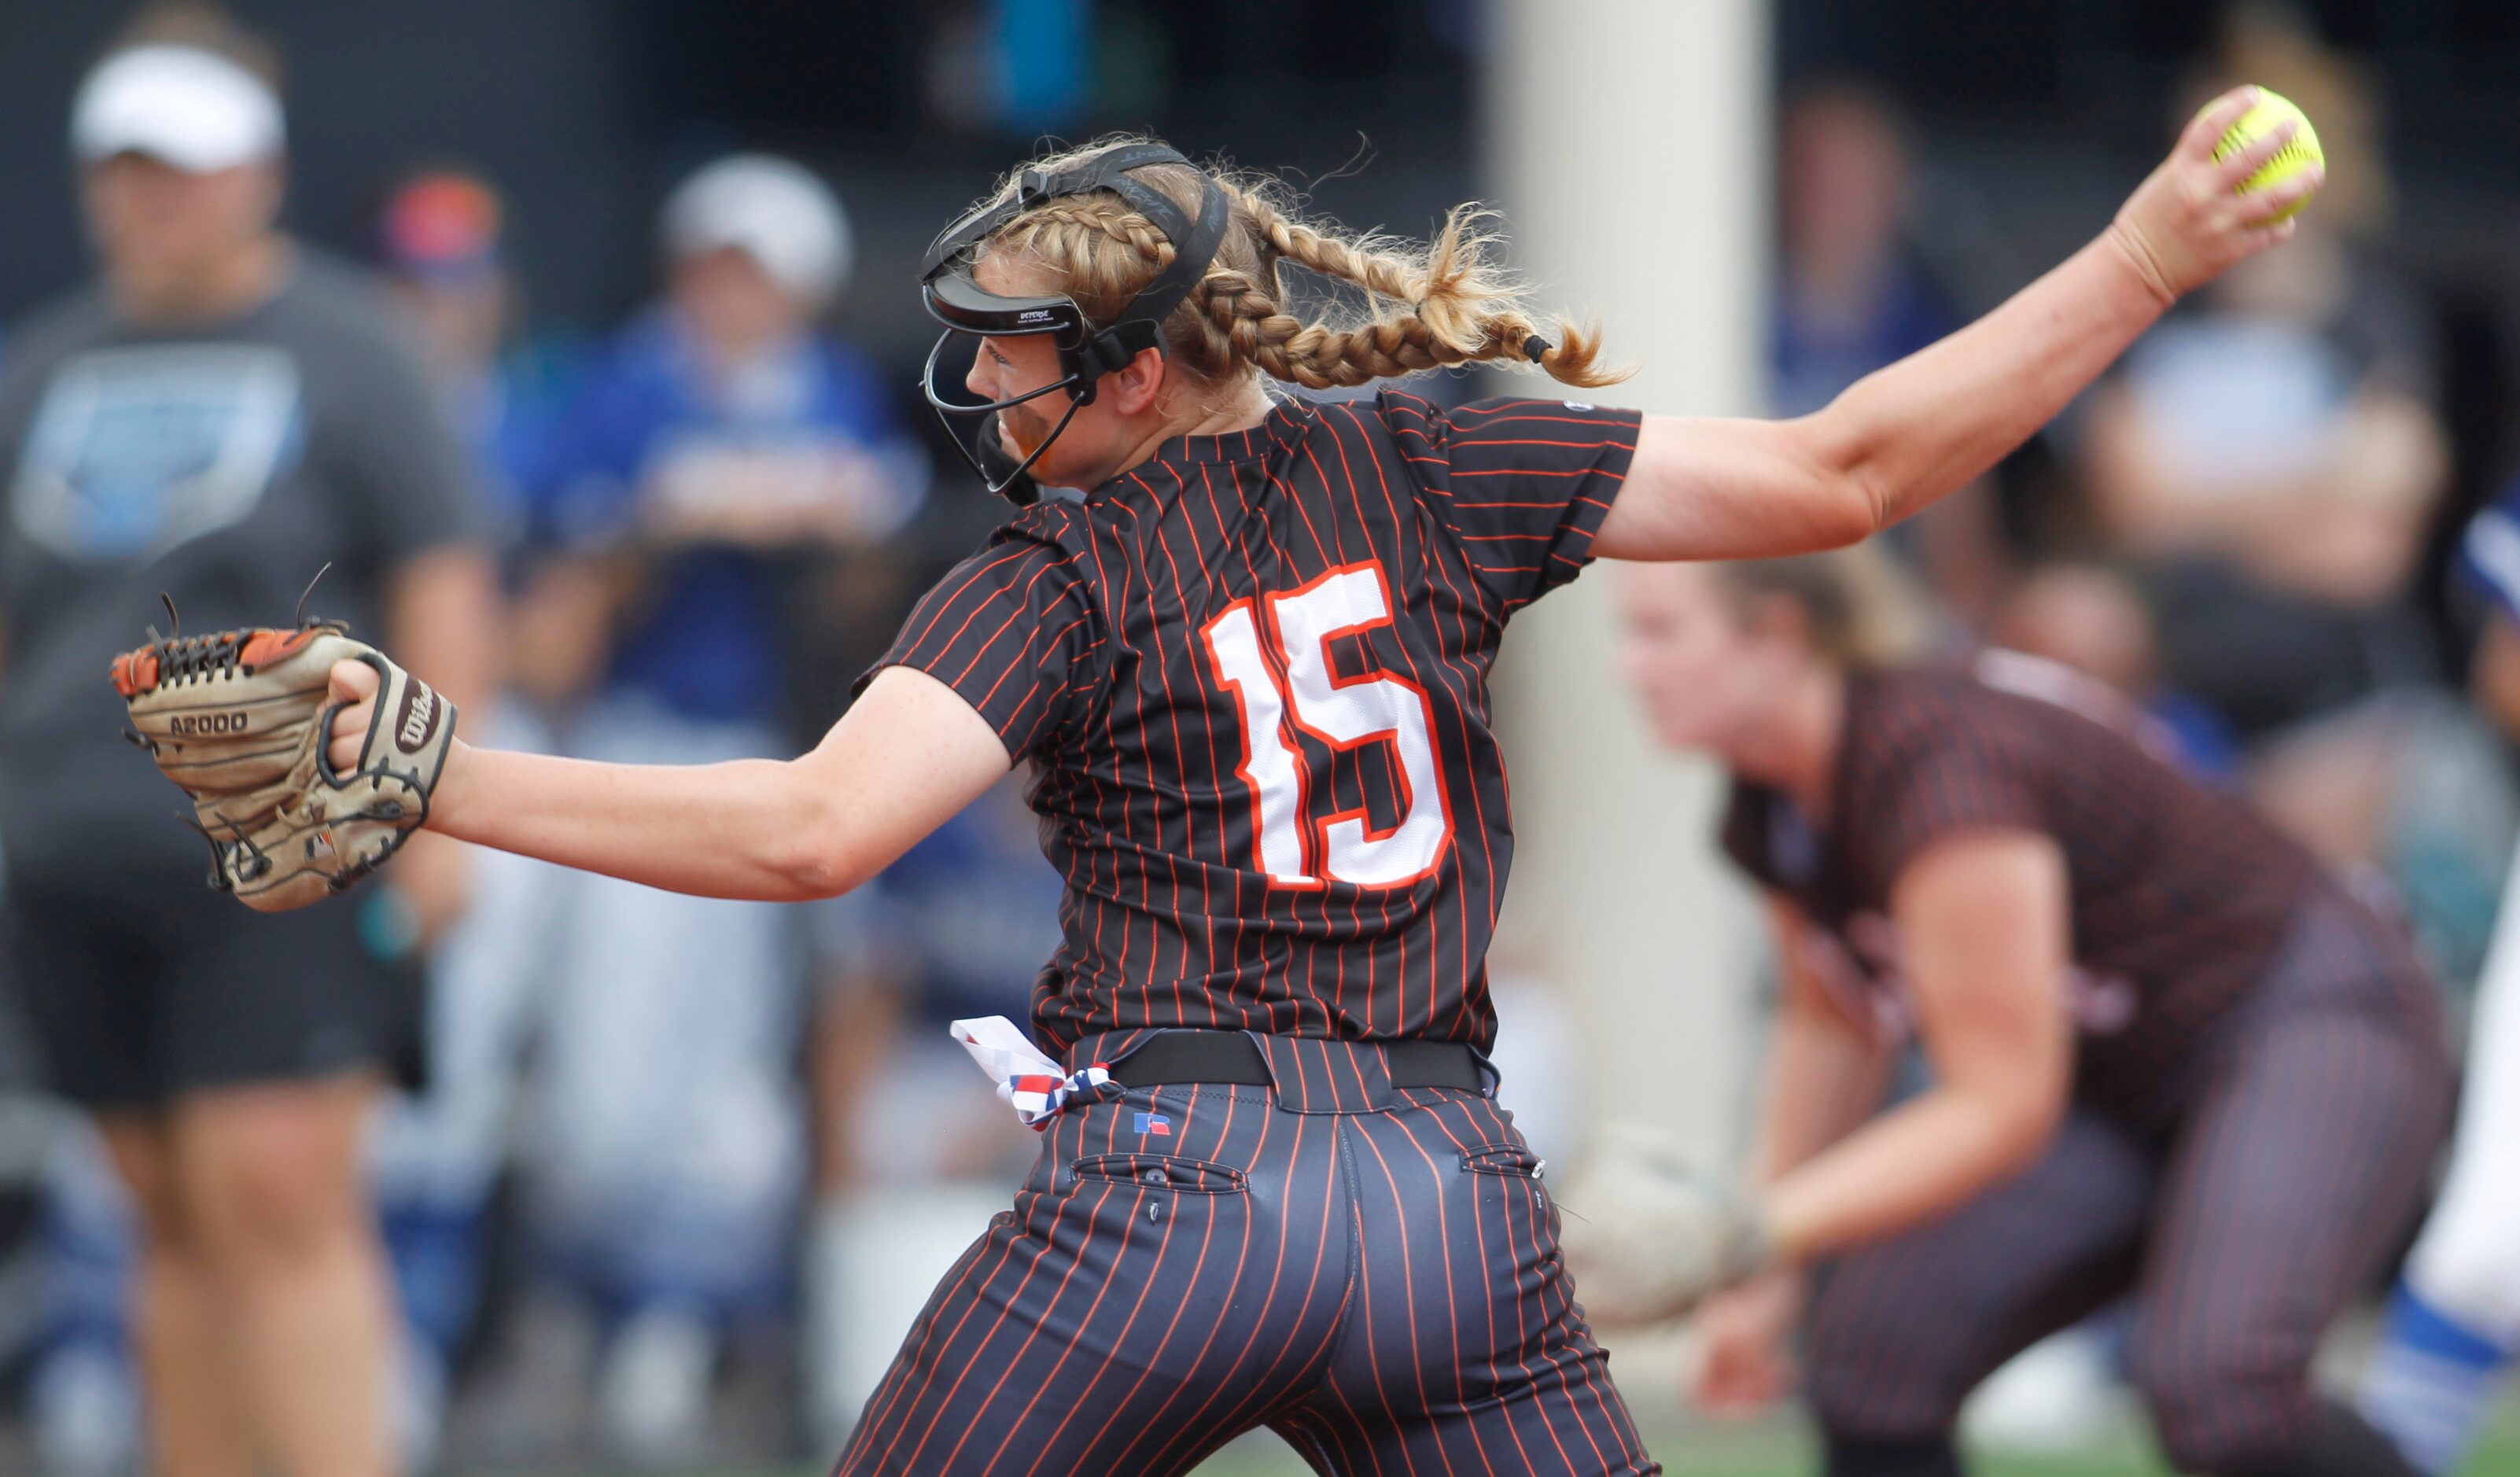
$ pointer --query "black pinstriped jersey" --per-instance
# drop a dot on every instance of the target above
(2181, 895)
(1251, 675)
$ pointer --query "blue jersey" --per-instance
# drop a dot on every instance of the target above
(651, 423)
(2489, 555)
(505, 416)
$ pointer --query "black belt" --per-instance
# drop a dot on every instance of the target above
(1230, 1057)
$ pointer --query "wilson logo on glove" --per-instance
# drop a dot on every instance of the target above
(419, 716)
(240, 721)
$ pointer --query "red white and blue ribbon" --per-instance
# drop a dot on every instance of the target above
(1028, 1081)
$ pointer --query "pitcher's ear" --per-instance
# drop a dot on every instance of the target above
(1135, 387)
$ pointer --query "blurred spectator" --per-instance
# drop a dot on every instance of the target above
(2273, 450)
(717, 443)
(435, 1159)
(440, 242)
(2089, 618)
(218, 417)
(2272, 454)
(1851, 298)
(2273, 459)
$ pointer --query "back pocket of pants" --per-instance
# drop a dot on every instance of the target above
(1508, 1161)
(1510, 1165)
(1196, 1176)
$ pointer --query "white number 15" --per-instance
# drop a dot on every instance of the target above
(1294, 848)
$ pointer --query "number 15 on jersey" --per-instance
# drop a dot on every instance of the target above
(1293, 846)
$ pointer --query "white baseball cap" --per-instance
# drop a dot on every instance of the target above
(774, 210)
(178, 105)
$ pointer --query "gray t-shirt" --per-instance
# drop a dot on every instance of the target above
(221, 464)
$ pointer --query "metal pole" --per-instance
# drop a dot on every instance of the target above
(1628, 142)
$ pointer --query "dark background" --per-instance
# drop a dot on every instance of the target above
(2033, 117)
(586, 110)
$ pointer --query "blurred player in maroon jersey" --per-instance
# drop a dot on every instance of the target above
(2169, 1056)
(1248, 666)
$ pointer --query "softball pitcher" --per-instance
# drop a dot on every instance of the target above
(1248, 666)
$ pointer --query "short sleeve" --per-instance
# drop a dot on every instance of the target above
(2489, 555)
(414, 481)
(1522, 485)
(1012, 631)
(1955, 779)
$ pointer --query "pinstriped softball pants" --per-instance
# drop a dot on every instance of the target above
(2241, 1233)
(1378, 1282)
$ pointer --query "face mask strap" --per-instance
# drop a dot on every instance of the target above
(1015, 484)
(1004, 476)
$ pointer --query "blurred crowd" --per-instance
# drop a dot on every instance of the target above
(668, 1156)
(674, 1157)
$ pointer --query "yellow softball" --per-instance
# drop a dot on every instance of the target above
(2299, 153)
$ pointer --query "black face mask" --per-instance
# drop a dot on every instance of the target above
(1086, 352)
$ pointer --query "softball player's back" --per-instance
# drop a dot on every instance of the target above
(1252, 674)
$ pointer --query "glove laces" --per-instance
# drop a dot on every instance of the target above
(200, 658)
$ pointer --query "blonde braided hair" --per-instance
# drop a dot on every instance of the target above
(1424, 308)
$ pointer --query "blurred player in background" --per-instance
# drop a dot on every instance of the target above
(2168, 1054)
(718, 441)
(221, 414)
(2453, 1328)
(1249, 670)
(439, 239)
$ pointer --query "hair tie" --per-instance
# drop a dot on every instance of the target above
(1535, 346)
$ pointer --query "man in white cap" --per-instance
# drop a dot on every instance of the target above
(719, 442)
(217, 418)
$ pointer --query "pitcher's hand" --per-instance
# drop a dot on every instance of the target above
(354, 682)
(2187, 223)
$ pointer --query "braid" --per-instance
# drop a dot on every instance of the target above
(1426, 308)
(1101, 213)
(1286, 348)
(1459, 310)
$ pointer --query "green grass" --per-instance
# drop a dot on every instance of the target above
(1785, 1449)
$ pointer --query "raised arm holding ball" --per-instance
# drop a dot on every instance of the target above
(1226, 813)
